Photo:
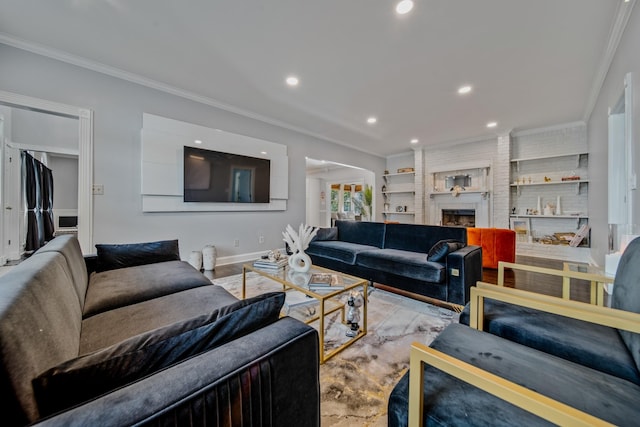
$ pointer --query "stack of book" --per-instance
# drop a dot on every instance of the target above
(266, 264)
(325, 282)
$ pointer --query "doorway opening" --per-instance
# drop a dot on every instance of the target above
(22, 132)
(338, 191)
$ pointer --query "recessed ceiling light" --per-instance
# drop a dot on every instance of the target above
(464, 89)
(492, 124)
(292, 81)
(415, 141)
(197, 141)
(372, 120)
(404, 6)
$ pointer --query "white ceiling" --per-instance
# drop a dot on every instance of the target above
(532, 63)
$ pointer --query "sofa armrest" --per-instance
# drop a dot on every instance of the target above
(536, 403)
(464, 269)
(251, 381)
(619, 319)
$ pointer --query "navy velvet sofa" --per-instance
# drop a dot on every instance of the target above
(428, 260)
(146, 340)
(584, 356)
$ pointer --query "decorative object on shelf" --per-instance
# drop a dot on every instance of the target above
(384, 188)
(529, 180)
(298, 243)
(209, 257)
(386, 172)
(539, 205)
(405, 170)
(399, 208)
(455, 191)
(558, 209)
(548, 209)
(580, 235)
(354, 302)
(547, 179)
(195, 259)
(387, 206)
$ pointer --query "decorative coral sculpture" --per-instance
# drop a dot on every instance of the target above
(298, 242)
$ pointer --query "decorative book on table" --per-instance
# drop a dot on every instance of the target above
(266, 264)
(325, 281)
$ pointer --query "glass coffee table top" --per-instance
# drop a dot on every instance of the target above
(327, 288)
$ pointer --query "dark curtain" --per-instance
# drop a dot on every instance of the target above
(47, 203)
(38, 194)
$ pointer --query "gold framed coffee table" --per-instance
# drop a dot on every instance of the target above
(328, 302)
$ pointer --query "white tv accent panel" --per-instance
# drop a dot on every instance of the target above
(162, 180)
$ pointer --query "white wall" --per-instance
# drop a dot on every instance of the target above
(65, 182)
(35, 128)
(626, 60)
(118, 106)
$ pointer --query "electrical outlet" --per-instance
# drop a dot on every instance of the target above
(236, 243)
(261, 239)
(98, 189)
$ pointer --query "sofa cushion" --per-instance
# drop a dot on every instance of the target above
(420, 238)
(328, 233)
(107, 328)
(596, 346)
(362, 233)
(337, 250)
(449, 401)
(132, 254)
(626, 293)
(117, 288)
(439, 251)
(403, 263)
(93, 374)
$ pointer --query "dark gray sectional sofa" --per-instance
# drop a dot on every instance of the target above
(147, 340)
(589, 361)
(397, 255)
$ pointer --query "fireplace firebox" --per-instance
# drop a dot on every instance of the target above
(459, 217)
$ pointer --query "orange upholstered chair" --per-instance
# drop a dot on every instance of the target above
(498, 244)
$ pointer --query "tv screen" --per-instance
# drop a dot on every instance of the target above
(213, 176)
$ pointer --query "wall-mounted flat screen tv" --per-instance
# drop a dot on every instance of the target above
(214, 176)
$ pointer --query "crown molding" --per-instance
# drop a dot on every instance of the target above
(163, 87)
(615, 35)
(560, 126)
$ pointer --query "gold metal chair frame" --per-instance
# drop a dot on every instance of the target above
(536, 403)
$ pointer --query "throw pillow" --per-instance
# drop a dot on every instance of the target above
(442, 248)
(96, 373)
(111, 257)
(328, 233)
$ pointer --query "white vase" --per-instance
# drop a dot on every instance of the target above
(539, 207)
(195, 259)
(558, 208)
(209, 257)
(300, 262)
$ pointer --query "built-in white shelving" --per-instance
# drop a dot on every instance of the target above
(399, 192)
(538, 181)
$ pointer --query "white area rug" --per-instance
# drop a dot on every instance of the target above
(355, 384)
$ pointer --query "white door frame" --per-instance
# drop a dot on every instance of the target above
(85, 157)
